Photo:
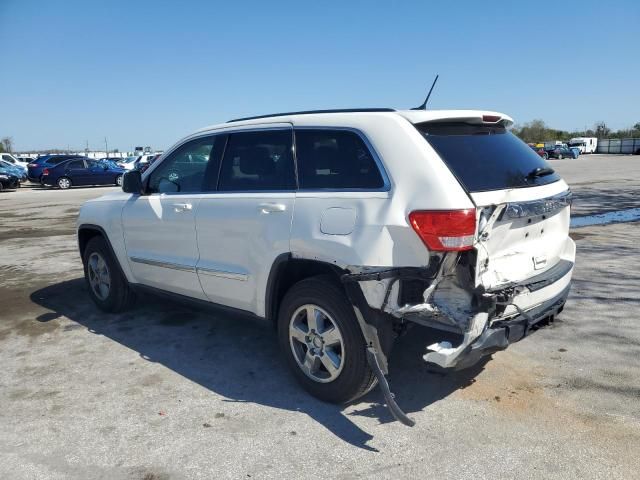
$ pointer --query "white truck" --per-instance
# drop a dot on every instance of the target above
(585, 144)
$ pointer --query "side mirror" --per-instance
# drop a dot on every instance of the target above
(132, 182)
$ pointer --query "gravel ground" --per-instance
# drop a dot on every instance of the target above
(167, 392)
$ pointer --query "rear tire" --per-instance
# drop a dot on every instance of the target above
(353, 377)
(107, 286)
(119, 180)
(64, 183)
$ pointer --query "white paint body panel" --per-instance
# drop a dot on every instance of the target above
(158, 228)
(241, 234)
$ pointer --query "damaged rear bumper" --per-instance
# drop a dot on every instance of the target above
(487, 320)
(496, 337)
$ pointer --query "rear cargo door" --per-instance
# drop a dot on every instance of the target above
(521, 233)
(523, 209)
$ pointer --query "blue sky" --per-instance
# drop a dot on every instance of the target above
(147, 73)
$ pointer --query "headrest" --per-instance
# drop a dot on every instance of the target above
(256, 161)
(326, 158)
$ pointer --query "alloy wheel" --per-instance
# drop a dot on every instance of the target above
(99, 276)
(316, 343)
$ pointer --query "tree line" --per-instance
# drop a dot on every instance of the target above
(537, 131)
(6, 145)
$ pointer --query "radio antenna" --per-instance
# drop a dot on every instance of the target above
(424, 105)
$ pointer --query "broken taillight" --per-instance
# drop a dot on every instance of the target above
(445, 230)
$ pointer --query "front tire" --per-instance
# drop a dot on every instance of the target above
(119, 180)
(64, 183)
(107, 286)
(322, 341)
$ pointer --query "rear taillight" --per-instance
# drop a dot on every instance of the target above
(445, 230)
(45, 171)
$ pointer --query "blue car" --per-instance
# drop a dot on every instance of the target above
(82, 171)
(35, 168)
(17, 170)
(8, 179)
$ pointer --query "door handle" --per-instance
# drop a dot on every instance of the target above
(182, 207)
(272, 207)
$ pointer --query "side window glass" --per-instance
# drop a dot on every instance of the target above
(76, 164)
(258, 161)
(335, 159)
(183, 170)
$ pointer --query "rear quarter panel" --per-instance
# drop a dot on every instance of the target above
(381, 234)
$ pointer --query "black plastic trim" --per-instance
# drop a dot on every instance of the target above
(270, 311)
(195, 302)
(101, 231)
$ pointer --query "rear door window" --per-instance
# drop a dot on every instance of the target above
(336, 160)
(486, 157)
(258, 161)
(75, 164)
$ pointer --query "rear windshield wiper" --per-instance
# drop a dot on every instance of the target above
(540, 172)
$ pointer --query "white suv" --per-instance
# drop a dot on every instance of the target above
(345, 228)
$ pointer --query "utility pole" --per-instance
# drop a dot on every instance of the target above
(106, 146)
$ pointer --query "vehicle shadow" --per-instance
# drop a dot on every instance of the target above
(238, 358)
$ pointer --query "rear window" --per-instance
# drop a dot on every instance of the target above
(486, 157)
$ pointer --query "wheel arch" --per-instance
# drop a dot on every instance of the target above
(288, 270)
(86, 232)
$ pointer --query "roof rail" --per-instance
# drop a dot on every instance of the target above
(309, 112)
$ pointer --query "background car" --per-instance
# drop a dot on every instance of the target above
(128, 163)
(82, 171)
(35, 168)
(7, 157)
(540, 151)
(560, 152)
(8, 179)
(113, 159)
(16, 169)
(26, 160)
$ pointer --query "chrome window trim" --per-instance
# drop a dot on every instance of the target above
(262, 129)
(386, 187)
(386, 183)
(242, 277)
(215, 133)
(157, 263)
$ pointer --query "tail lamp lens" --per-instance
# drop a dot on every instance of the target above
(445, 230)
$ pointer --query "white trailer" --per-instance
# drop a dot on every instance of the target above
(585, 144)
